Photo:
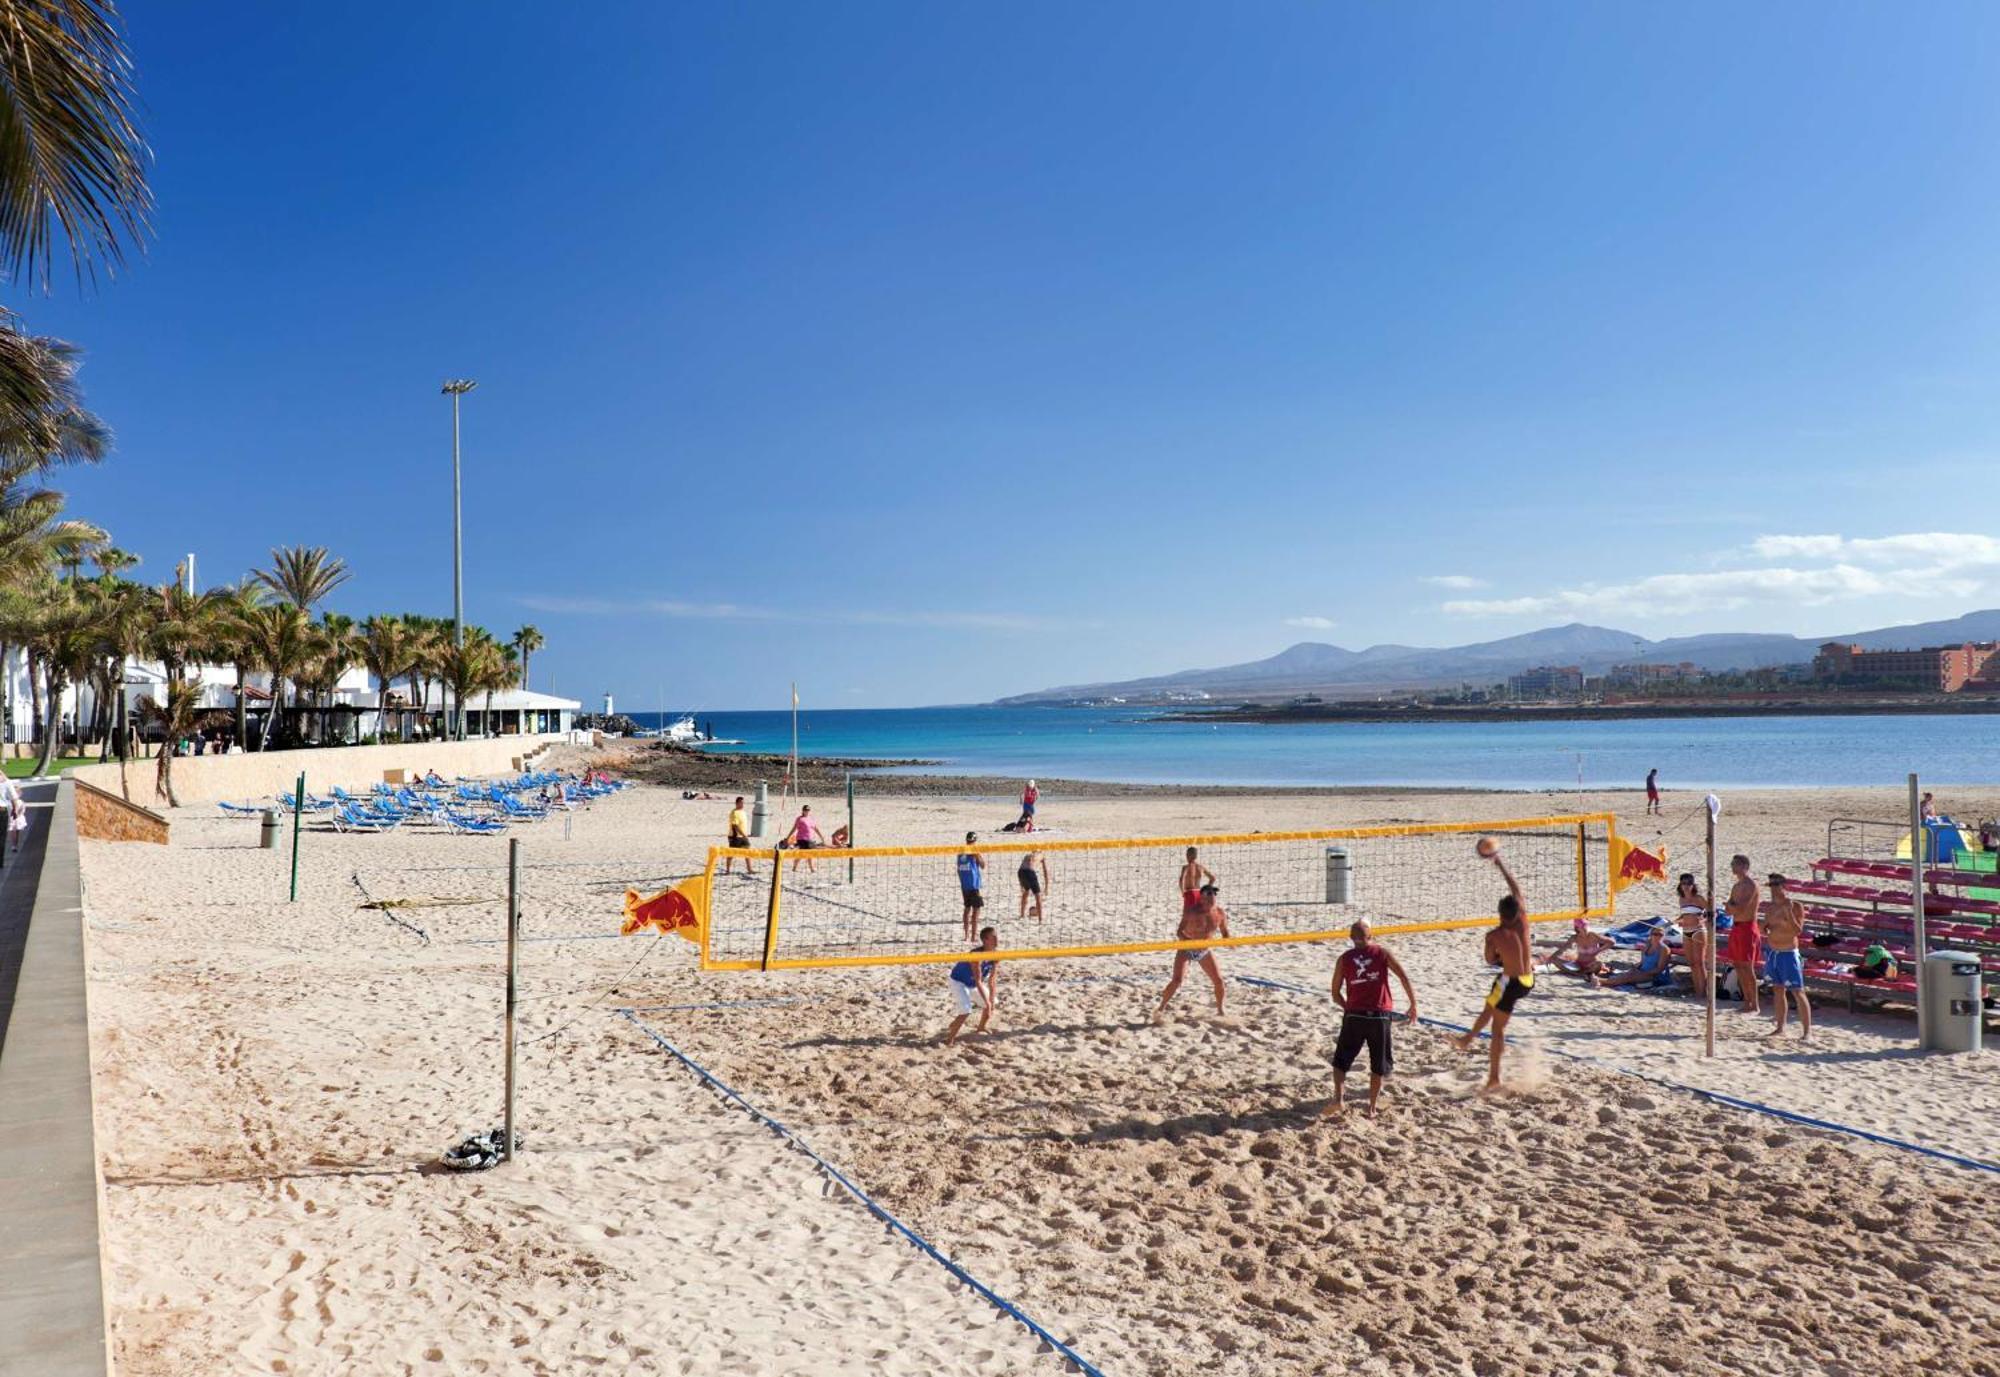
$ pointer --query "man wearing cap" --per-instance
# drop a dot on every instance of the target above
(1784, 922)
(1367, 1012)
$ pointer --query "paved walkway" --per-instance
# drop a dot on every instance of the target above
(51, 1279)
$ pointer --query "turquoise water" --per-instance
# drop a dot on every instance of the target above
(1131, 746)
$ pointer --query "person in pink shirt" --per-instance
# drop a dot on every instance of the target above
(805, 836)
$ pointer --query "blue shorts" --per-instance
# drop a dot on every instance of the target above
(1786, 970)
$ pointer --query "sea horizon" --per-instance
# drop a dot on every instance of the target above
(1146, 746)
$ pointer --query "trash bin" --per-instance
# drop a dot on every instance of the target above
(760, 811)
(1339, 876)
(267, 835)
(1948, 985)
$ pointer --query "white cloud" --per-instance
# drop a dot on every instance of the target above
(1819, 569)
(1310, 623)
(733, 612)
(1454, 581)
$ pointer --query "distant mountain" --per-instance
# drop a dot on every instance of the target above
(1314, 666)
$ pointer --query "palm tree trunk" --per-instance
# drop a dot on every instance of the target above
(242, 713)
(35, 687)
(271, 713)
(54, 727)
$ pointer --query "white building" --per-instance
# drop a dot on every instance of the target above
(351, 714)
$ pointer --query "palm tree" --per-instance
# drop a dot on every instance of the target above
(234, 643)
(469, 667)
(527, 641)
(278, 636)
(302, 575)
(330, 649)
(387, 646)
(71, 155)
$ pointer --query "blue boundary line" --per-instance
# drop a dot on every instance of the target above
(1716, 1096)
(1005, 1306)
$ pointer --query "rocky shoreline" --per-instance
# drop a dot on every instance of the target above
(678, 767)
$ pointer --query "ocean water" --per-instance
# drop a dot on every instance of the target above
(1135, 746)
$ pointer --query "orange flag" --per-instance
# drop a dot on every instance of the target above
(680, 910)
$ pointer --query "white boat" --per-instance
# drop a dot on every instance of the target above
(684, 731)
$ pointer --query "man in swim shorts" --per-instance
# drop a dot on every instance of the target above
(1745, 940)
(1506, 947)
(1034, 879)
(1205, 920)
(974, 986)
(971, 875)
(1367, 1012)
(1653, 790)
(1193, 876)
(1784, 923)
(739, 838)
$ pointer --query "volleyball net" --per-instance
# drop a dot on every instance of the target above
(905, 905)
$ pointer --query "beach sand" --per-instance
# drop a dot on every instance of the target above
(276, 1081)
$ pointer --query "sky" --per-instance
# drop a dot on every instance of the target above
(931, 352)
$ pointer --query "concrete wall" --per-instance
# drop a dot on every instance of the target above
(259, 775)
(51, 1280)
(106, 817)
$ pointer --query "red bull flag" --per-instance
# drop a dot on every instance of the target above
(1631, 864)
(678, 910)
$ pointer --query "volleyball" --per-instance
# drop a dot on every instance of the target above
(1487, 848)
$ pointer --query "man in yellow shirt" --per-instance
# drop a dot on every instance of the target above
(739, 837)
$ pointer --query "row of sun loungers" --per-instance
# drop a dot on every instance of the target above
(465, 807)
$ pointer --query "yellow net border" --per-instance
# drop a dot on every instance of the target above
(699, 889)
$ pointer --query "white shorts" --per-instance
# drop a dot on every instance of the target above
(963, 999)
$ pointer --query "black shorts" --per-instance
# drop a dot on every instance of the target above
(972, 898)
(1507, 992)
(1364, 1030)
(806, 845)
(1030, 881)
(738, 842)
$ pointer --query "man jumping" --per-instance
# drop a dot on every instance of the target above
(1507, 948)
(1205, 920)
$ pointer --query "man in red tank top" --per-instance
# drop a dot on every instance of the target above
(1361, 990)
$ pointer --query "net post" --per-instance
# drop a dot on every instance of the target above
(298, 808)
(513, 974)
(1920, 836)
(1582, 869)
(850, 824)
(771, 913)
(1708, 900)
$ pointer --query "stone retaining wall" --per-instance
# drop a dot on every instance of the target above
(101, 816)
(259, 775)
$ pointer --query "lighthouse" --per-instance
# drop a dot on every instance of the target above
(609, 709)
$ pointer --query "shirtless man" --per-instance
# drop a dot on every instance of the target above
(1744, 939)
(1586, 950)
(1507, 948)
(1784, 921)
(1193, 876)
(1205, 920)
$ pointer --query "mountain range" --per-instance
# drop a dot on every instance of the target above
(1313, 666)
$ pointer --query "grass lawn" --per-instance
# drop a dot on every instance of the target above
(21, 769)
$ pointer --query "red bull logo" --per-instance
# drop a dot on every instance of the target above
(1640, 864)
(670, 911)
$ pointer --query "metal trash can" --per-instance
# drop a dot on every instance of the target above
(760, 811)
(1948, 984)
(1339, 876)
(267, 831)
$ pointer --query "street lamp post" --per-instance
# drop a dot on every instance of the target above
(456, 388)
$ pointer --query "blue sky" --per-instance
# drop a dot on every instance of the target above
(933, 352)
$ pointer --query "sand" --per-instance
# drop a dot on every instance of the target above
(276, 1081)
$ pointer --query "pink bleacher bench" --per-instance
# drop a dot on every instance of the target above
(1900, 870)
(1858, 894)
(1899, 924)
